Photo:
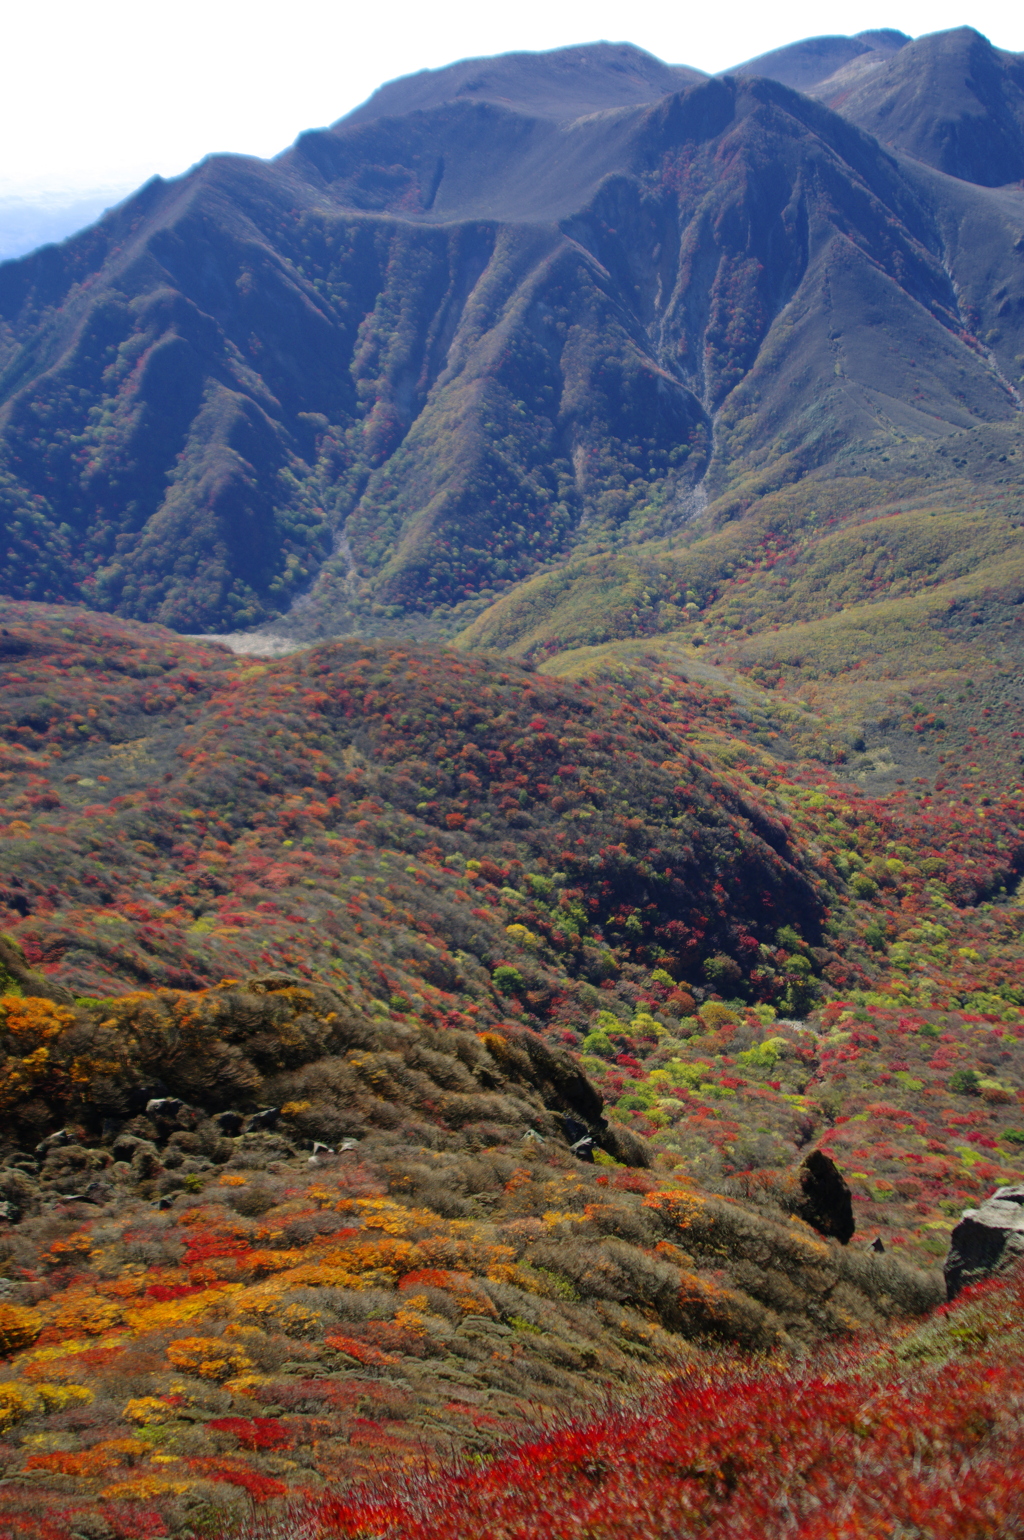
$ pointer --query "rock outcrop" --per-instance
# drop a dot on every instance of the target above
(825, 1202)
(987, 1240)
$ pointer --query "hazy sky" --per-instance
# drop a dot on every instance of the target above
(98, 96)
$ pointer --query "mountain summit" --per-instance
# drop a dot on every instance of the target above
(504, 312)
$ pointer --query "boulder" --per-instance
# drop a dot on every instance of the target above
(987, 1240)
(265, 1119)
(825, 1201)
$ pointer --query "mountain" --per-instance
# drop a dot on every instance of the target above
(505, 313)
(805, 64)
(950, 100)
(518, 1045)
(562, 85)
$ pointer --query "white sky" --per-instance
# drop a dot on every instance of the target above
(100, 94)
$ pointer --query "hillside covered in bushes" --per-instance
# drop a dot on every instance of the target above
(318, 971)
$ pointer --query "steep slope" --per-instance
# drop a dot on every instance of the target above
(949, 99)
(444, 349)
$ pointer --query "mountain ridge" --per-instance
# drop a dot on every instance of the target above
(270, 415)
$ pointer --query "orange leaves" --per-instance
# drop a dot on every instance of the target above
(84, 1315)
(73, 1248)
(683, 1209)
(211, 1358)
(32, 1022)
(362, 1352)
(86, 1463)
(19, 1328)
(433, 1278)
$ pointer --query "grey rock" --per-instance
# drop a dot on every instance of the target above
(263, 1121)
(164, 1107)
(55, 1141)
(125, 1145)
(987, 1240)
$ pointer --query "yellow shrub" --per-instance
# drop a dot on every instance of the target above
(147, 1409)
(89, 1315)
(34, 1021)
(209, 1357)
(19, 1328)
(682, 1208)
(146, 1486)
(18, 1401)
(412, 1321)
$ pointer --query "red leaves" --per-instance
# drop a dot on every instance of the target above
(255, 1432)
(260, 1488)
(752, 1457)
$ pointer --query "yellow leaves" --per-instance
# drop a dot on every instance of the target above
(146, 1486)
(411, 1320)
(33, 1020)
(682, 1208)
(230, 1180)
(295, 1109)
(147, 1409)
(172, 1312)
(259, 1263)
(209, 1357)
(522, 935)
(18, 1401)
(505, 1272)
(555, 1217)
(87, 1315)
(298, 1321)
(394, 1218)
(19, 1328)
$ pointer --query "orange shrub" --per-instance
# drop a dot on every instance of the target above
(19, 1328)
(209, 1357)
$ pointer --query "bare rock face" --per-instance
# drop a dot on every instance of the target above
(987, 1240)
(826, 1202)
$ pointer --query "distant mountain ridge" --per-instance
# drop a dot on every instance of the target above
(502, 313)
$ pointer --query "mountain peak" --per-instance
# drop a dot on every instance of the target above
(561, 84)
(814, 59)
(949, 99)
